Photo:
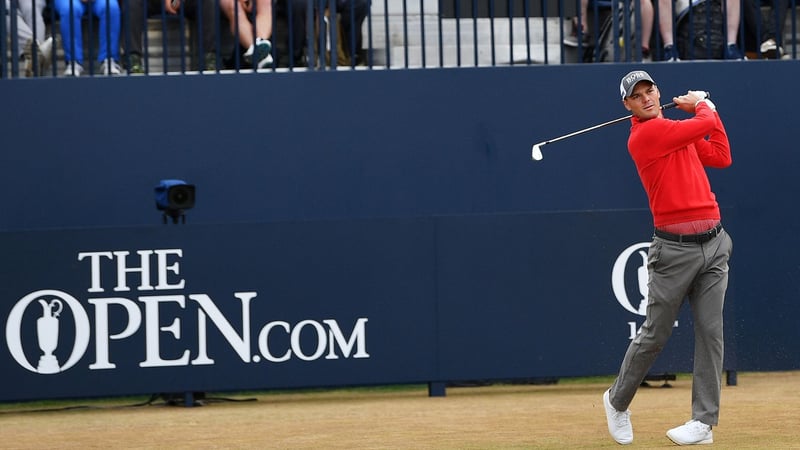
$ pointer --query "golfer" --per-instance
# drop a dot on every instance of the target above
(688, 258)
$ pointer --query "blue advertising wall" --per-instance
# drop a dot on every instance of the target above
(399, 208)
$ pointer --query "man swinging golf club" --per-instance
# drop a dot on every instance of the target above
(688, 258)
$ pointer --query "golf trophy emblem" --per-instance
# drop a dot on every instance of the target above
(619, 278)
(47, 332)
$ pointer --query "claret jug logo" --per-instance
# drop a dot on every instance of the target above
(630, 265)
(633, 258)
(48, 322)
(638, 253)
(47, 330)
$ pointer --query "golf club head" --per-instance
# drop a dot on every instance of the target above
(536, 152)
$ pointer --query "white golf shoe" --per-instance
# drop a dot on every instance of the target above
(619, 422)
(691, 433)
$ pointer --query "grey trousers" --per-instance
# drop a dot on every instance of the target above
(679, 271)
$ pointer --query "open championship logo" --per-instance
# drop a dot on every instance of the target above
(57, 317)
(47, 326)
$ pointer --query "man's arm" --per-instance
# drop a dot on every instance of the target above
(716, 151)
(679, 133)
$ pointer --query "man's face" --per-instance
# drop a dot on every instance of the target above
(645, 101)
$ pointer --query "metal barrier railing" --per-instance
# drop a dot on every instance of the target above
(129, 37)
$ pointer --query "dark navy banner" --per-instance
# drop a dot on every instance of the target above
(179, 308)
(453, 146)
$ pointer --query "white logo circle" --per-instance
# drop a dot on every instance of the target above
(618, 278)
(56, 298)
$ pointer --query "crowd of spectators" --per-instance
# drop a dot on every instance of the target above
(109, 37)
(760, 36)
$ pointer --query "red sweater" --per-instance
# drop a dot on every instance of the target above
(670, 156)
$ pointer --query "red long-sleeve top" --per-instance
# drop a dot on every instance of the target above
(671, 156)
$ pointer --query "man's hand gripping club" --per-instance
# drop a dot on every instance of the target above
(689, 101)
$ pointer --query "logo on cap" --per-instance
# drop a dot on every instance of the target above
(630, 80)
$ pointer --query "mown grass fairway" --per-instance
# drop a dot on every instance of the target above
(763, 411)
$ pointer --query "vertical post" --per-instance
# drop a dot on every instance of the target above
(12, 12)
(3, 13)
(437, 389)
(730, 378)
(188, 399)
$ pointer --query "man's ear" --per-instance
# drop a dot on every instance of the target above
(625, 103)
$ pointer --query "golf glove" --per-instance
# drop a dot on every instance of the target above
(702, 95)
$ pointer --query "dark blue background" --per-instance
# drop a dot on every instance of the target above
(374, 153)
(446, 298)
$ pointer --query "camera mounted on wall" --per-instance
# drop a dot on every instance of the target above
(174, 198)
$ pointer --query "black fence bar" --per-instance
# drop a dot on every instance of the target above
(4, 12)
(474, 17)
(510, 33)
(422, 31)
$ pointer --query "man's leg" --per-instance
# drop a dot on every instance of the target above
(773, 26)
(707, 299)
(297, 31)
(133, 23)
(205, 18)
(39, 51)
(31, 12)
(353, 14)
(24, 31)
(778, 19)
(671, 268)
(203, 14)
(239, 22)
(71, 35)
(644, 349)
(263, 19)
(108, 13)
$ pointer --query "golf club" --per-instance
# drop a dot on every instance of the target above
(536, 151)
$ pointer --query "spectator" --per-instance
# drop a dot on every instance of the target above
(135, 20)
(732, 19)
(666, 19)
(766, 33)
(30, 22)
(253, 35)
(646, 16)
(733, 14)
(107, 12)
(295, 13)
(352, 14)
(579, 23)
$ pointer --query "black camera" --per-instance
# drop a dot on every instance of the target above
(174, 197)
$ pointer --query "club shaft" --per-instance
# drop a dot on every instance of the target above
(604, 124)
(586, 130)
